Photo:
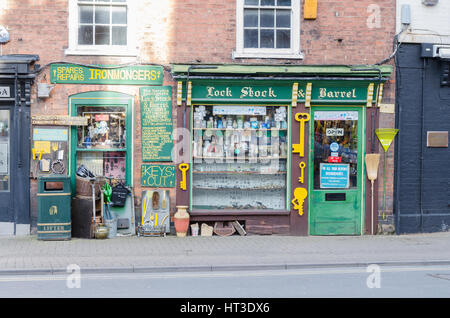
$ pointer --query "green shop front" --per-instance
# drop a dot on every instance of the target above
(100, 134)
(278, 149)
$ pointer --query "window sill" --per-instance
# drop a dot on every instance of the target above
(104, 52)
(260, 55)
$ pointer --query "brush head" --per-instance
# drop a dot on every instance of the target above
(372, 162)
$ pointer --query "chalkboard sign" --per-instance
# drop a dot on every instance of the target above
(158, 176)
(156, 123)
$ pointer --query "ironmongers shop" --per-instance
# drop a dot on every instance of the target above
(278, 149)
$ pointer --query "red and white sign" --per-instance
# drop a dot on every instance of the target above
(334, 159)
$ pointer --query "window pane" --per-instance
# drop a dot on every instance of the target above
(283, 39)
(101, 35)
(86, 14)
(284, 18)
(119, 15)
(251, 18)
(118, 0)
(251, 2)
(267, 18)
(4, 150)
(102, 14)
(283, 2)
(250, 38)
(267, 39)
(85, 34)
(119, 35)
(267, 2)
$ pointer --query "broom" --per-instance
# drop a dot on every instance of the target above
(372, 161)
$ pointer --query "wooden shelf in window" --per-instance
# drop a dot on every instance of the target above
(102, 149)
(239, 172)
(238, 158)
(240, 189)
(241, 129)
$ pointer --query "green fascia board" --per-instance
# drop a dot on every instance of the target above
(284, 70)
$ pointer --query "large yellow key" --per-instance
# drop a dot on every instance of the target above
(300, 195)
(300, 148)
(183, 167)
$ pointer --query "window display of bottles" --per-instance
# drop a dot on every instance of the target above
(239, 158)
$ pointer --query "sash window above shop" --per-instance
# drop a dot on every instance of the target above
(268, 29)
(100, 27)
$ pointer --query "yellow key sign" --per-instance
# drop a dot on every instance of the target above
(300, 148)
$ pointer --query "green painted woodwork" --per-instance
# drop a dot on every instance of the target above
(269, 92)
(99, 99)
(338, 217)
(110, 75)
(156, 123)
(285, 70)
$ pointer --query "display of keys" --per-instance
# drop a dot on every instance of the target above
(300, 195)
(300, 148)
(302, 166)
(183, 168)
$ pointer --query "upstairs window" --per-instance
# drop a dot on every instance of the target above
(268, 28)
(101, 27)
(102, 22)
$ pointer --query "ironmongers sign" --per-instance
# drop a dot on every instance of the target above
(127, 75)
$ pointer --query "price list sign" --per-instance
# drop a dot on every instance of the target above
(156, 123)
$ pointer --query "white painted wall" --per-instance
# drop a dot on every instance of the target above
(428, 24)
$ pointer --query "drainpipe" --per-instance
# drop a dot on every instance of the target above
(18, 144)
(422, 144)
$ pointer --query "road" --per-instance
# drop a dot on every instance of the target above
(347, 282)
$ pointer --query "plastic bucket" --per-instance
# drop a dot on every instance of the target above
(112, 226)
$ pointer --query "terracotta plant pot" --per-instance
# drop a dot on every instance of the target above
(181, 220)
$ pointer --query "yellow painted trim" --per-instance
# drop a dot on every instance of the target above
(370, 95)
(294, 94)
(44, 232)
(52, 194)
(51, 224)
(308, 95)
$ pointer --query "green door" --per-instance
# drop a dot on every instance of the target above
(336, 170)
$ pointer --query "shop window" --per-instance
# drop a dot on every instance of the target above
(100, 27)
(101, 145)
(268, 28)
(240, 158)
(335, 149)
(4, 150)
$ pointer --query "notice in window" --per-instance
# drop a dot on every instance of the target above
(156, 123)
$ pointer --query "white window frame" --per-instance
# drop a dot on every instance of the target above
(113, 50)
(291, 53)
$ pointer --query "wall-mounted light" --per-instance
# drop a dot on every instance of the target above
(430, 3)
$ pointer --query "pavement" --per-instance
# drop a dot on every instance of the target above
(27, 255)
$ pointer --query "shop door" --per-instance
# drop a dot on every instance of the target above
(337, 189)
(6, 208)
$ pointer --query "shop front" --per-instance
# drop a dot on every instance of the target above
(16, 77)
(278, 149)
(110, 128)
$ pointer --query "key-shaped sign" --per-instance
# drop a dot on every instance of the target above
(300, 195)
(183, 167)
(302, 166)
(300, 148)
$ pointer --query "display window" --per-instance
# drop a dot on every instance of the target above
(240, 157)
(105, 131)
(104, 145)
(4, 149)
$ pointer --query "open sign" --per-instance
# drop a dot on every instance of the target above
(335, 132)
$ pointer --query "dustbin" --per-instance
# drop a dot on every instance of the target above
(53, 196)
